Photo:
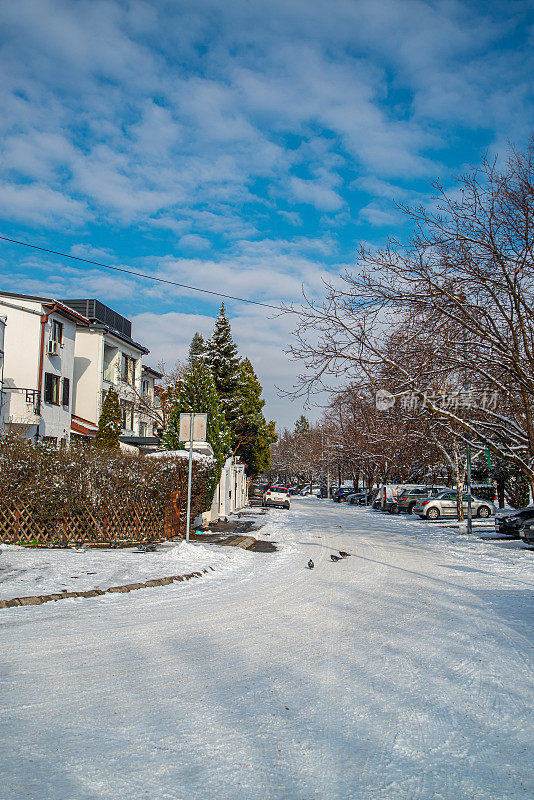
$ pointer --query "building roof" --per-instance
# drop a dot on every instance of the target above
(62, 309)
(97, 326)
(152, 371)
(103, 317)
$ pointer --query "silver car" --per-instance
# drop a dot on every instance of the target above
(444, 505)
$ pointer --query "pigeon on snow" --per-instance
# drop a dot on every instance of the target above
(343, 554)
(335, 558)
(310, 564)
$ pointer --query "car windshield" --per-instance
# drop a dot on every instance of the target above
(278, 489)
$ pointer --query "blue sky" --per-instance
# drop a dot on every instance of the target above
(244, 147)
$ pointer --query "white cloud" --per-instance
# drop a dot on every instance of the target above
(380, 217)
(318, 195)
(39, 204)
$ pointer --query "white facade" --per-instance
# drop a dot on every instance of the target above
(38, 369)
(231, 492)
(149, 424)
(102, 361)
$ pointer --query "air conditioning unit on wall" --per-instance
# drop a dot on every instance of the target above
(52, 348)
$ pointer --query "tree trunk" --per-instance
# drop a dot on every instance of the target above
(459, 477)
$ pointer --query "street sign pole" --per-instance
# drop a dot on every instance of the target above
(193, 427)
(189, 476)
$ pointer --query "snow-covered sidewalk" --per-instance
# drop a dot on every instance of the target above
(402, 672)
(25, 571)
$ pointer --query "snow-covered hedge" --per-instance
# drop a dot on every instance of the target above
(51, 481)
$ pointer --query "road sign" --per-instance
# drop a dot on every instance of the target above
(200, 422)
(192, 429)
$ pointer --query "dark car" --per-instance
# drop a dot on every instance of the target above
(341, 494)
(257, 490)
(359, 499)
(511, 524)
(527, 532)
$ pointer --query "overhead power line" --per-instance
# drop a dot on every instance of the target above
(138, 274)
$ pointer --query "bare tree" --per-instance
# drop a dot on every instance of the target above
(450, 311)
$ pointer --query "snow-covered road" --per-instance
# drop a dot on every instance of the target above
(400, 673)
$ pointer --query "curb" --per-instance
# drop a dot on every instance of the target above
(37, 600)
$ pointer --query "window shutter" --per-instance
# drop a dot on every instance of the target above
(66, 392)
(48, 387)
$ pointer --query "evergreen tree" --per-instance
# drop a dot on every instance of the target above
(252, 435)
(197, 348)
(302, 426)
(196, 393)
(110, 422)
(223, 359)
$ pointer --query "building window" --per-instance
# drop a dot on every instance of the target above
(144, 386)
(127, 416)
(127, 369)
(51, 392)
(66, 392)
(143, 429)
(56, 334)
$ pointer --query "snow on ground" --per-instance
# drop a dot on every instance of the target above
(25, 571)
(401, 673)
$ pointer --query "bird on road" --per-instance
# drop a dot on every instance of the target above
(335, 558)
(343, 554)
(310, 564)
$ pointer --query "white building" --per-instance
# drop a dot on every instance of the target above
(38, 366)
(61, 357)
(106, 357)
(150, 421)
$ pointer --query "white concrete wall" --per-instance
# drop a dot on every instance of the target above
(231, 492)
(88, 361)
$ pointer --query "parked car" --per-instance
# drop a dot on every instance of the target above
(277, 496)
(444, 505)
(359, 499)
(341, 494)
(511, 523)
(257, 490)
(407, 500)
(527, 532)
(315, 490)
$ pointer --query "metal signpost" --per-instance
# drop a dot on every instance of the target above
(193, 429)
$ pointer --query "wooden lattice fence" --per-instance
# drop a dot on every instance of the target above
(135, 522)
